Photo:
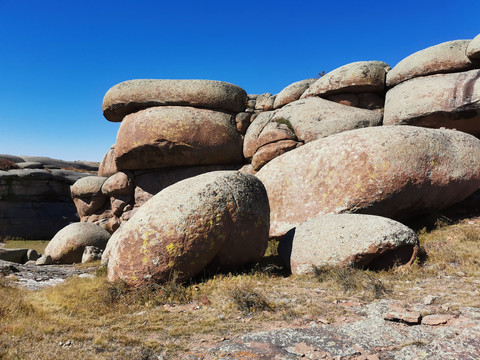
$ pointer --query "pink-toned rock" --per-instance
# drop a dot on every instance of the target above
(348, 240)
(172, 136)
(151, 182)
(292, 92)
(443, 100)
(265, 102)
(68, 244)
(250, 144)
(392, 171)
(218, 219)
(436, 319)
(107, 166)
(446, 57)
(134, 95)
(361, 76)
(314, 118)
(275, 131)
(119, 184)
(405, 316)
(242, 120)
(473, 49)
(270, 151)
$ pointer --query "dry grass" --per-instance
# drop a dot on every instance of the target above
(38, 245)
(109, 320)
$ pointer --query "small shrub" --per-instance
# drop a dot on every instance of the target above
(247, 300)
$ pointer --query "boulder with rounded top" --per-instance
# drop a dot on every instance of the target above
(219, 219)
(134, 95)
(392, 171)
(171, 136)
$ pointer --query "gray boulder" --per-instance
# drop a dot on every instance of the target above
(68, 245)
(353, 240)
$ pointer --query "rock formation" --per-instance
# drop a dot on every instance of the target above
(37, 193)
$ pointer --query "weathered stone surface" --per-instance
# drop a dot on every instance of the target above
(88, 186)
(30, 165)
(68, 245)
(218, 219)
(150, 182)
(449, 56)
(315, 118)
(177, 136)
(473, 49)
(265, 102)
(304, 121)
(250, 144)
(107, 166)
(270, 151)
(342, 240)
(361, 76)
(242, 120)
(134, 95)
(36, 203)
(119, 184)
(392, 171)
(15, 159)
(292, 92)
(368, 337)
(443, 100)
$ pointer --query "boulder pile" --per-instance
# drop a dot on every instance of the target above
(168, 191)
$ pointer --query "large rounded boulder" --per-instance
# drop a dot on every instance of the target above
(348, 240)
(68, 245)
(134, 95)
(450, 56)
(218, 220)
(392, 171)
(443, 100)
(169, 136)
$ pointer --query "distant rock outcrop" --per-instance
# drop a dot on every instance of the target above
(38, 195)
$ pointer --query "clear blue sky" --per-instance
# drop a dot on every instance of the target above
(58, 58)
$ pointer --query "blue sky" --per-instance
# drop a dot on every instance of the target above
(58, 58)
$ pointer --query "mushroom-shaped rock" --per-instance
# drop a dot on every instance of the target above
(68, 245)
(177, 136)
(361, 76)
(392, 171)
(446, 57)
(292, 92)
(353, 240)
(473, 49)
(134, 95)
(218, 219)
(443, 100)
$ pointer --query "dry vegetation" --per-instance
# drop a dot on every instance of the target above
(109, 321)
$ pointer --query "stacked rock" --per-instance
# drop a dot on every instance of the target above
(171, 130)
(347, 98)
(437, 87)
